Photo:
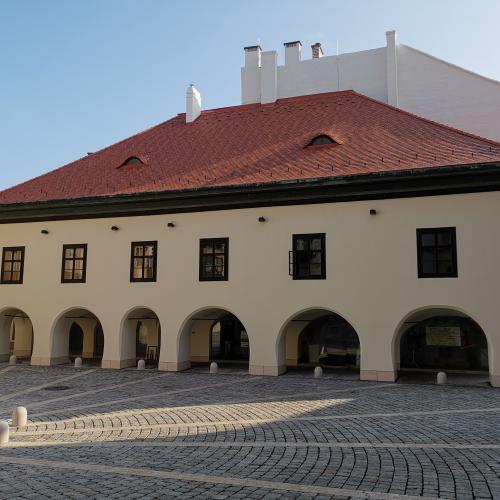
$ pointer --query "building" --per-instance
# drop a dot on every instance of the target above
(329, 229)
(396, 74)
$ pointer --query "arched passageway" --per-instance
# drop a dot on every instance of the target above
(77, 333)
(214, 334)
(141, 337)
(16, 334)
(441, 339)
(318, 337)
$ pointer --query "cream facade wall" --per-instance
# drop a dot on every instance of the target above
(371, 269)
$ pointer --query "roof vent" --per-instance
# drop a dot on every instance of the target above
(321, 139)
(132, 160)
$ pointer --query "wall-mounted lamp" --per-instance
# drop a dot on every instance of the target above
(171, 224)
(262, 219)
(373, 211)
(44, 231)
(114, 228)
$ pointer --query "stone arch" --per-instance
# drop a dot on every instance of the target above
(448, 338)
(16, 334)
(332, 340)
(213, 333)
(140, 337)
(71, 323)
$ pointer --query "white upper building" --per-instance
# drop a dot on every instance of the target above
(397, 74)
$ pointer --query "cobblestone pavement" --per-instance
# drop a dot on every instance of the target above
(96, 433)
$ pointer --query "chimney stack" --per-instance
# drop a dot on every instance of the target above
(252, 56)
(193, 104)
(317, 51)
(292, 52)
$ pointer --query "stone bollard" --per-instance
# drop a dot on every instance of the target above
(141, 364)
(318, 372)
(13, 360)
(20, 417)
(4, 433)
(214, 367)
(442, 378)
(78, 362)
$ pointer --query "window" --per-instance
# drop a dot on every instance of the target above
(12, 265)
(307, 259)
(437, 253)
(143, 261)
(321, 139)
(214, 259)
(74, 263)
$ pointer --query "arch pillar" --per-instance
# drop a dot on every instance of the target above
(175, 354)
(265, 353)
(23, 337)
(489, 325)
(5, 329)
(376, 356)
(493, 357)
(41, 355)
(111, 356)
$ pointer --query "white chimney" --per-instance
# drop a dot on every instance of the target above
(193, 104)
(317, 51)
(392, 67)
(292, 52)
(269, 77)
(252, 56)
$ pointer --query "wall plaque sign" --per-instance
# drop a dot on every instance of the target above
(444, 336)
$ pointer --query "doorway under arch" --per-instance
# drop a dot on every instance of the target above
(229, 341)
(77, 333)
(141, 337)
(320, 337)
(16, 334)
(75, 347)
(214, 334)
(436, 339)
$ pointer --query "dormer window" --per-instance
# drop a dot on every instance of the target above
(133, 160)
(321, 139)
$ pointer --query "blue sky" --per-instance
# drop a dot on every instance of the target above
(77, 76)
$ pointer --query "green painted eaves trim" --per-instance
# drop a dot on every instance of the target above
(431, 181)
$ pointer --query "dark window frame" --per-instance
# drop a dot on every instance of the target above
(293, 261)
(74, 246)
(21, 271)
(135, 244)
(214, 241)
(452, 246)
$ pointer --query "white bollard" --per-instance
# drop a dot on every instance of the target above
(318, 372)
(442, 378)
(78, 362)
(19, 417)
(4, 433)
(141, 364)
(13, 360)
(214, 367)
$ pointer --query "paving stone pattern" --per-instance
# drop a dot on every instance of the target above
(147, 434)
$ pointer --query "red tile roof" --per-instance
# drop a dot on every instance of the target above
(257, 143)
